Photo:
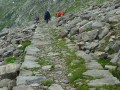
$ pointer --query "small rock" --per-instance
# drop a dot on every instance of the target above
(47, 67)
(23, 87)
(55, 87)
(110, 67)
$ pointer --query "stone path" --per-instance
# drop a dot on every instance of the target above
(103, 77)
(43, 64)
(53, 68)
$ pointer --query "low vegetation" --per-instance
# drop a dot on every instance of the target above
(47, 82)
(44, 60)
(104, 62)
(25, 44)
(10, 59)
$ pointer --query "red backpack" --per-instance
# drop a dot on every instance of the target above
(58, 14)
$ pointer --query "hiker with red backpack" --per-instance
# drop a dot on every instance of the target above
(58, 14)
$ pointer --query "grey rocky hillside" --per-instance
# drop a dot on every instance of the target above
(20, 12)
(96, 30)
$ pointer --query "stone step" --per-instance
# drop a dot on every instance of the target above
(106, 78)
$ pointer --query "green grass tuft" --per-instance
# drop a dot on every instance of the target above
(104, 62)
(25, 44)
(11, 59)
(47, 82)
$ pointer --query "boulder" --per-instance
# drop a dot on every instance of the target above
(9, 68)
(74, 31)
(1, 51)
(114, 18)
(22, 80)
(116, 46)
(91, 46)
(116, 58)
(81, 23)
(104, 32)
(84, 27)
(3, 34)
(97, 25)
(63, 34)
(88, 36)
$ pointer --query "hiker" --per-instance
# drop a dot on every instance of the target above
(47, 16)
(37, 19)
(58, 14)
(62, 13)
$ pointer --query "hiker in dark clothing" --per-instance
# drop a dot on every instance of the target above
(47, 16)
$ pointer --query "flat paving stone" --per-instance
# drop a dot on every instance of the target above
(30, 58)
(104, 81)
(25, 73)
(98, 73)
(30, 64)
(93, 65)
(55, 87)
(32, 48)
(85, 56)
(23, 87)
(23, 80)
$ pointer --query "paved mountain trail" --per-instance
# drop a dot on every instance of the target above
(45, 68)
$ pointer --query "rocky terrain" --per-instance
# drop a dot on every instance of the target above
(79, 51)
(95, 30)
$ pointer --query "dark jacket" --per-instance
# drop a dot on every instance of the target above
(47, 16)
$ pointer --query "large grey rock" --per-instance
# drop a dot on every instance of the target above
(91, 46)
(116, 58)
(4, 82)
(84, 36)
(88, 36)
(23, 87)
(30, 58)
(116, 46)
(104, 81)
(74, 31)
(17, 53)
(81, 23)
(98, 73)
(93, 64)
(32, 50)
(29, 64)
(3, 34)
(115, 18)
(92, 35)
(26, 73)
(55, 87)
(1, 51)
(22, 80)
(104, 32)
(9, 68)
(97, 25)
(63, 34)
(84, 27)
(85, 56)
